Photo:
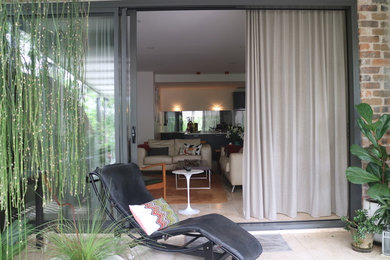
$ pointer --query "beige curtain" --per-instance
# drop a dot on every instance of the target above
(296, 135)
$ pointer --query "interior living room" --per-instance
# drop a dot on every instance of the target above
(194, 75)
(191, 91)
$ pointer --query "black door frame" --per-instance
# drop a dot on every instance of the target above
(350, 9)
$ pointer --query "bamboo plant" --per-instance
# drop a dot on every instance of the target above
(42, 48)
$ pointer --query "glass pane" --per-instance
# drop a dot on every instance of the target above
(99, 97)
(99, 111)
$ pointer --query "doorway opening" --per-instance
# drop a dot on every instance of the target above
(182, 57)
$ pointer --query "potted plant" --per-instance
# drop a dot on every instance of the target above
(362, 228)
(235, 134)
(375, 173)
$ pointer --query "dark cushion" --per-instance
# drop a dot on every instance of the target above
(158, 151)
(145, 146)
(231, 148)
(151, 180)
(222, 231)
(126, 186)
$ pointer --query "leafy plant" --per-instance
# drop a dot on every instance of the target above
(377, 172)
(84, 240)
(41, 96)
(14, 238)
(235, 133)
(363, 225)
(42, 121)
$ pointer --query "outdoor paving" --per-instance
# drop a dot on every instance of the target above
(321, 244)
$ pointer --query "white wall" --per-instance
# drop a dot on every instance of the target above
(197, 96)
(145, 106)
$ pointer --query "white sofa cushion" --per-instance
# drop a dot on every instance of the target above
(158, 159)
(163, 143)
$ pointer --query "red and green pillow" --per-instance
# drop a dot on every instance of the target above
(154, 215)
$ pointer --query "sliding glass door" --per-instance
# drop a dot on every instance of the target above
(107, 107)
(100, 91)
(111, 81)
(127, 52)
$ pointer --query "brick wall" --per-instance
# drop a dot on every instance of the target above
(374, 39)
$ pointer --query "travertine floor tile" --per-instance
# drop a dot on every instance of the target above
(318, 244)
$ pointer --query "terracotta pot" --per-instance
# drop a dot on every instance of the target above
(363, 245)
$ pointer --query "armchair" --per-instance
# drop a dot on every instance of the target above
(231, 167)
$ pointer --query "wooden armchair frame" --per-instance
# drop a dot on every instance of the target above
(160, 185)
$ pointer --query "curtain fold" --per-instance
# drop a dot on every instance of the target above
(296, 132)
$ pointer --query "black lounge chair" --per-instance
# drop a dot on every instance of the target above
(211, 236)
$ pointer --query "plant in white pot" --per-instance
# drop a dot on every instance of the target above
(376, 172)
(362, 228)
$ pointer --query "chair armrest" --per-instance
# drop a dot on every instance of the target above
(206, 154)
(164, 175)
(236, 165)
(141, 156)
(223, 153)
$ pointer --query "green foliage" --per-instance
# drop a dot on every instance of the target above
(377, 172)
(14, 238)
(84, 240)
(383, 212)
(363, 225)
(235, 133)
(359, 176)
(41, 97)
(41, 101)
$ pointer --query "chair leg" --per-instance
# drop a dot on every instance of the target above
(233, 188)
(208, 251)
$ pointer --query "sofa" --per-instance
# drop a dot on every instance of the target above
(231, 166)
(175, 153)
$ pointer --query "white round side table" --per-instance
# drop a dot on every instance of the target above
(188, 174)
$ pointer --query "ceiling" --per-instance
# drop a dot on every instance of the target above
(186, 42)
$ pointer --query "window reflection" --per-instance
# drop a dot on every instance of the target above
(207, 121)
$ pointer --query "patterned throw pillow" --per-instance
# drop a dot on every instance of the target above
(191, 149)
(154, 215)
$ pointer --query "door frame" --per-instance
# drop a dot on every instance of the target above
(350, 8)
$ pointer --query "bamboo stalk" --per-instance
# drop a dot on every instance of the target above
(41, 99)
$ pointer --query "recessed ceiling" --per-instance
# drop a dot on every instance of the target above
(178, 42)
